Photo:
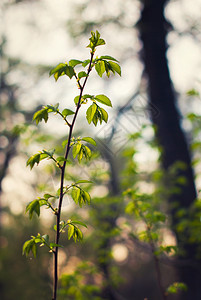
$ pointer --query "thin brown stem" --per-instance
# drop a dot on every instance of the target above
(58, 214)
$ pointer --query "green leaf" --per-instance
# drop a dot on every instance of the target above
(48, 196)
(95, 40)
(91, 112)
(80, 155)
(79, 234)
(86, 151)
(41, 115)
(74, 62)
(193, 92)
(52, 245)
(70, 72)
(75, 194)
(82, 74)
(49, 152)
(86, 96)
(85, 62)
(76, 100)
(115, 67)
(108, 57)
(100, 68)
(83, 181)
(71, 229)
(34, 159)
(67, 112)
(34, 250)
(52, 108)
(76, 149)
(79, 223)
(104, 114)
(62, 69)
(107, 68)
(175, 287)
(46, 238)
(27, 247)
(96, 118)
(33, 206)
(87, 197)
(103, 99)
(89, 140)
(61, 158)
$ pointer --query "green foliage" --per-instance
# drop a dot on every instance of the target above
(105, 64)
(80, 196)
(62, 69)
(36, 158)
(78, 145)
(95, 41)
(31, 245)
(176, 287)
(193, 92)
(34, 206)
(75, 285)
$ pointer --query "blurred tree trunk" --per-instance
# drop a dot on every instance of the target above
(170, 136)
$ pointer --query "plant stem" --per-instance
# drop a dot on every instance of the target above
(58, 214)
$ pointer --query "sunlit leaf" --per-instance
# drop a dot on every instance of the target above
(108, 57)
(67, 112)
(103, 99)
(89, 140)
(91, 112)
(74, 62)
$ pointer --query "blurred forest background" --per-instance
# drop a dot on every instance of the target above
(144, 222)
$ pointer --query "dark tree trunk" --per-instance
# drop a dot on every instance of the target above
(170, 136)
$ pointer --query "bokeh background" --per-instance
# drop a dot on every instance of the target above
(36, 35)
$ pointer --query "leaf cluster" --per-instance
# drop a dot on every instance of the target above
(80, 196)
(31, 245)
(176, 287)
(43, 114)
(36, 158)
(35, 205)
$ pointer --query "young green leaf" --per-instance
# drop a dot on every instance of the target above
(79, 223)
(87, 197)
(82, 74)
(52, 108)
(100, 68)
(74, 62)
(107, 57)
(115, 67)
(79, 234)
(34, 159)
(86, 151)
(71, 229)
(89, 140)
(95, 40)
(67, 112)
(76, 194)
(83, 181)
(27, 247)
(62, 69)
(80, 155)
(103, 99)
(33, 206)
(76, 149)
(40, 115)
(91, 112)
(85, 62)
(104, 114)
